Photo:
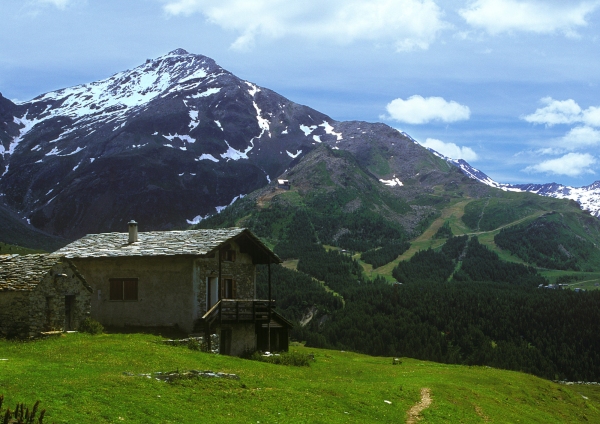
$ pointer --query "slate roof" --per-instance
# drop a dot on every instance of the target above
(152, 243)
(24, 272)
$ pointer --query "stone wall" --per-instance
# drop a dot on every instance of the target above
(242, 271)
(14, 313)
(27, 313)
(243, 339)
(47, 302)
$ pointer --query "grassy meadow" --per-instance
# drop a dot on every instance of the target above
(96, 379)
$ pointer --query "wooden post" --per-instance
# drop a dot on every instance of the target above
(219, 281)
(269, 314)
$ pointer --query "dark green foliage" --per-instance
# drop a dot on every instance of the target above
(298, 237)
(336, 269)
(549, 333)
(454, 247)
(425, 266)
(294, 292)
(481, 264)
(385, 254)
(21, 415)
(548, 242)
(444, 231)
(91, 326)
(513, 326)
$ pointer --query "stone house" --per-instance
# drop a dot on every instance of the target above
(41, 293)
(198, 280)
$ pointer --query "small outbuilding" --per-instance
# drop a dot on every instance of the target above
(284, 184)
(40, 293)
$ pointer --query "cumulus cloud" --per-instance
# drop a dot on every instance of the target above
(571, 164)
(564, 112)
(581, 137)
(451, 150)
(420, 110)
(498, 16)
(407, 24)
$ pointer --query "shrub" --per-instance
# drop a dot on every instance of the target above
(91, 326)
(21, 415)
(290, 358)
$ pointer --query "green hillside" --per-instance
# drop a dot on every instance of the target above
(108, 379)
(470, 260)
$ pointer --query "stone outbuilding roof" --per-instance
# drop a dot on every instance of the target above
(25, 272)
(162, 243)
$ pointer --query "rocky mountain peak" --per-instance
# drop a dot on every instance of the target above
(178, 51)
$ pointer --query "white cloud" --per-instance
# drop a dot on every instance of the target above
(555, 112)
(420, 110)
(580, 137)
(498, 16)
(564, 112)
(407, 24)
(571, 164)
(451, 150)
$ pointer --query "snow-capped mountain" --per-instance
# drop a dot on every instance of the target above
(166, 143)
(588, 197)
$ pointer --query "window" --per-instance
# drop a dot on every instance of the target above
(228, 289)
(229, 255)
(123, 289)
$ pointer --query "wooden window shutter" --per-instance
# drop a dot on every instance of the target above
(130, 289)
(116, 289)
(233, 289)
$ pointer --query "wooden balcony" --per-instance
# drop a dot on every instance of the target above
(227, 311)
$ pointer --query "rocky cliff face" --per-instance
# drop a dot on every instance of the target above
(174, 140)
(164, 143)
(169, 143)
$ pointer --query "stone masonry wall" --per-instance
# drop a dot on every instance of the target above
(14, 316)
(47, 302)
(242, 271)
(27, 313)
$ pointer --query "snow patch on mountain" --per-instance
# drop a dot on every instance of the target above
(114, 98)
(330, 130)
(294, 155)
(206, 156)
(253, 88)
(27, 124)
(307, 130)
(205, 93)
(263, 123)
(185, 138)
(588, 197)
(234, 154)
(194, 122)
(395, 181)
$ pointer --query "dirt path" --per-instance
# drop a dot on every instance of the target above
(413, 414)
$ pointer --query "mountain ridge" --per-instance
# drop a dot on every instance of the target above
(588, 197)
(175, 140)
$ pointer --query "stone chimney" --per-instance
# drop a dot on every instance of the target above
(133, 231)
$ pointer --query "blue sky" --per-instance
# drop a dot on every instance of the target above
(509, 85)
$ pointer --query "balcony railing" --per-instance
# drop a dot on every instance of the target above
(238, 310)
